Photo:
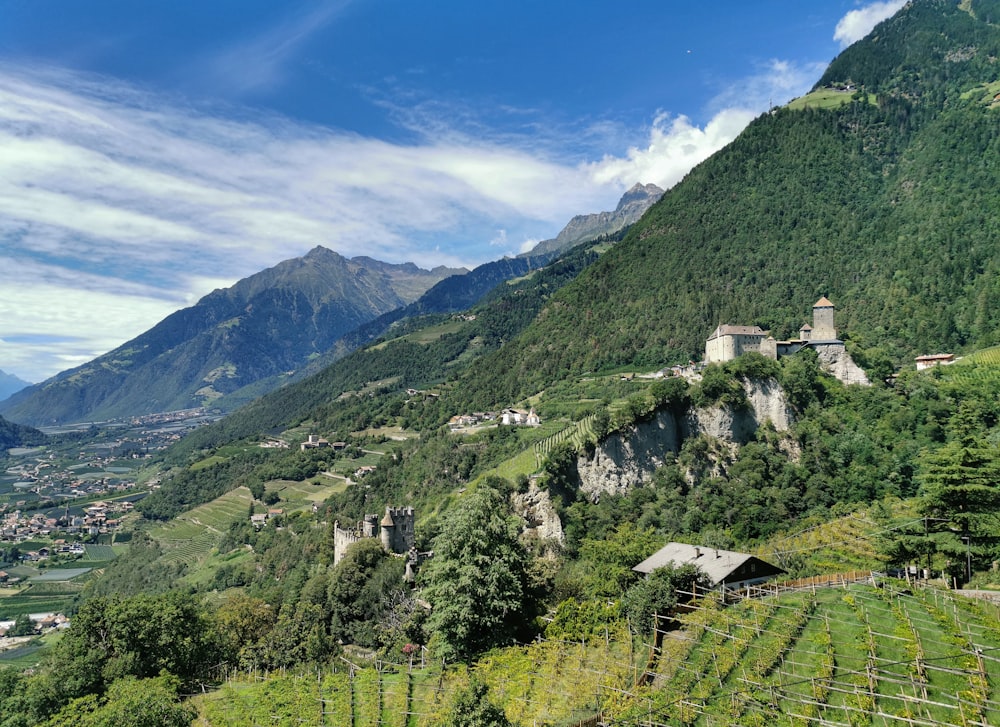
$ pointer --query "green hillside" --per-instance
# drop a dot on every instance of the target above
(837, 654)
(885, 209)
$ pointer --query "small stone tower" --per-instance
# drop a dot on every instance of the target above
(823, 328)
(397, 532)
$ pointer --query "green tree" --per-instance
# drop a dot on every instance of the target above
(362, 587)
(960, 499)
(652, 599)
(473, 708)
(139, 636)
(129, 702)
(609, 561)
(241, 622)
(477, 580)
(23, 626)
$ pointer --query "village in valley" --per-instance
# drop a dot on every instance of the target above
(63, 505)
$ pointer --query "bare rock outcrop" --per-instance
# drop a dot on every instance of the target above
(625, 460)
(835, 360)
(536, 508)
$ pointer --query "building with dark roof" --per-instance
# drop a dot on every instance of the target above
(724, 568)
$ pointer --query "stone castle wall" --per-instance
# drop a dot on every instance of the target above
(397, 537)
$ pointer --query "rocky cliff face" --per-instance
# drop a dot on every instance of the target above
(838, 363)
(623, 460)
(628, 459)
(542, 520)
(581, 228)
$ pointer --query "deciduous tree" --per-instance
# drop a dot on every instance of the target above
(477, 580)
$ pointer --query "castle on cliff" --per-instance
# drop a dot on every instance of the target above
(728, 342)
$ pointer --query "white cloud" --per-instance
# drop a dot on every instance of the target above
(856, 24)
(675, 146)
(118, 207)
(528, 245)
(63, 319)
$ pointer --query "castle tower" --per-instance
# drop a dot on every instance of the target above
(388, 526)
(823, 328)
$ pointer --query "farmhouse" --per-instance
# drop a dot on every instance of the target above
(519, 417)
(724, 568)
(934, 359)
(314, 442)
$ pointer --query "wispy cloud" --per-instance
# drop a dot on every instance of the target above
(259, 62)
(856, 24)
(675, 144)
(772, 83)
(123, 206)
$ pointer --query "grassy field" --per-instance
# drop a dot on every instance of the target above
(986, 93)
(426, 335)
(297, 496)
(825, 98)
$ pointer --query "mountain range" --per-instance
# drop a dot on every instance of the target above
(10, 384)
(582, 228)
(266, 325)
(280, 325)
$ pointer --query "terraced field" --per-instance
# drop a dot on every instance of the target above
(846, 656)
(844, 543)
(852, 655)
(191, 536)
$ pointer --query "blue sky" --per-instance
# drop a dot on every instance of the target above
(151, 152)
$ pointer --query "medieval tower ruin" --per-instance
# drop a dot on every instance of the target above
(395, 531)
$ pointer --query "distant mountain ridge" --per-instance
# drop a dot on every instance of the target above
(267, 324)
(10, 384)
(581, 228)
(281, 324)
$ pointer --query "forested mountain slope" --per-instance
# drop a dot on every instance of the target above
(17, 435)
(268, 324)
(890, 209)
